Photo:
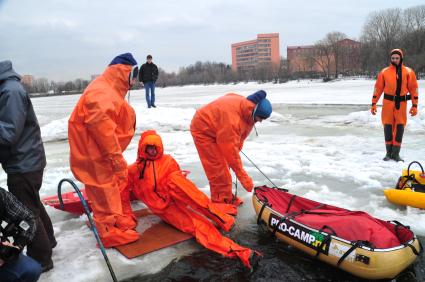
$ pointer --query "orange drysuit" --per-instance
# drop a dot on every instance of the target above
(99, 130)
(394, 115)
(158, 182)
(219, 130)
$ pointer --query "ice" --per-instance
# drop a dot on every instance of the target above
(321, 142)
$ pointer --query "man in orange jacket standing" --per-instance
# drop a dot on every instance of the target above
(395, 81)
(99, 130)
(157, 180)
(219, 130)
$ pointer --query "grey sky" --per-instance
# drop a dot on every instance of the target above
(68, 39)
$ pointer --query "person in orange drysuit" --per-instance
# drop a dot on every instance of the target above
(395, 81)
(99, 130)
(219, 130)
(157, 180)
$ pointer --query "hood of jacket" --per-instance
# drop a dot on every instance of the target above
(7, 72)
(149, 137)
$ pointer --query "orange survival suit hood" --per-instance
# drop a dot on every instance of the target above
(149, 137)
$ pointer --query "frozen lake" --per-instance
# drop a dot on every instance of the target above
(321, 142)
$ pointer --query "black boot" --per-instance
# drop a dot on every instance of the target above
(389, 148)
(396, 154)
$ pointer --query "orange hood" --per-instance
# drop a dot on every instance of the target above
(149, 137)
(118, 77)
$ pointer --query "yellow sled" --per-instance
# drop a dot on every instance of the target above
(410, 189)
(279, 212)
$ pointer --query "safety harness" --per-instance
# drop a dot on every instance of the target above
(397, 98)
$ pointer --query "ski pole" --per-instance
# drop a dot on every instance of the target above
(87, 212)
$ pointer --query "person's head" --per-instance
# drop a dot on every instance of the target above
(263, 108)
(150, 146)
(151, 151)
(396, 57)
(149, 58)
(6, 71)
(262, 111)
(127, 59)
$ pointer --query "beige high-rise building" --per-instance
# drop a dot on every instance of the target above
(248, 55)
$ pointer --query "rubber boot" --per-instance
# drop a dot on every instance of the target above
(111, 235)
(396, 154)
(126, 222)
(388, 156)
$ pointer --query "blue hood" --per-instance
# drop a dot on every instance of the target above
(6, 71)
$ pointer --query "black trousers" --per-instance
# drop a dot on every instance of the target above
(26, 187)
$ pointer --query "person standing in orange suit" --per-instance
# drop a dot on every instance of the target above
(219, 130)
(99, 130)
(157, 180)
(395, 81)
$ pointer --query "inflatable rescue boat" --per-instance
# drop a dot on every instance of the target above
(410, 188)
(351, 240)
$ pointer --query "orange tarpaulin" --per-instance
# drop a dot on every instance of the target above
(158, 236)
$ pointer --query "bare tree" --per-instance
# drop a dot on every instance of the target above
(333, 40)
(323, 57)
(382, 32)
(414, 36)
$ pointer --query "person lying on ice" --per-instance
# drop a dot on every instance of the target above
(99, 130)
(219, 130)
(156, 179)
(395, 81)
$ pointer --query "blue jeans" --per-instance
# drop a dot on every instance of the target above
(150, 85)
(24, 269)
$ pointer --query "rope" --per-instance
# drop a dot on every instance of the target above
(256, 132)
(274, 185)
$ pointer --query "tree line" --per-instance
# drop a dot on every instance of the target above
(212, 72)
(383, 31)
(394, 28)
(44, 86)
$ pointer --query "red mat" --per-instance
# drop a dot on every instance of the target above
(158, 236)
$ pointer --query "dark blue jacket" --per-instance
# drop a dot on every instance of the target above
(148, 72)
(21, 148)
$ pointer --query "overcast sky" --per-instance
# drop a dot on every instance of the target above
(68, 39)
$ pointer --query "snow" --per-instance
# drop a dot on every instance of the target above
(321, 142)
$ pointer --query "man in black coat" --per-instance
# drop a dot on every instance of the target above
(17, 229)
(23, 159)
(148, 75)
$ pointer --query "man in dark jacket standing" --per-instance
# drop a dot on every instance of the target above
(23, 159)
(147, 76)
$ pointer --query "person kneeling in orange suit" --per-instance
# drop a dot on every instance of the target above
(157, 180)
(99, 130)
(219, 130)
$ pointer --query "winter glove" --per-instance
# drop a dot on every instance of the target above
(122, 175)
(373, 109)
(119, 167)
(246, 181)
(413, 111)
